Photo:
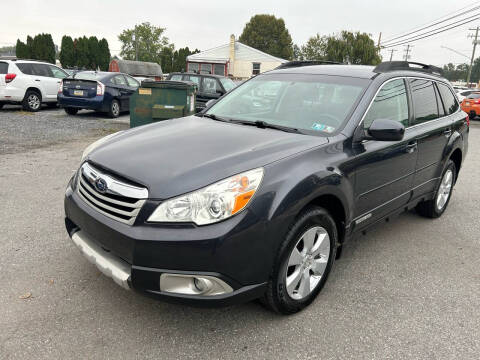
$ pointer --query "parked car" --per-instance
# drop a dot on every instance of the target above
(100, 91)
(462, 94)
(246, 201)
(210, 87)
(29, 83)
(471, 104)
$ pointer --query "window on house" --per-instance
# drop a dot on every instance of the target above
(193, 67)
(206, 69)
(219, 69)
(256, 69)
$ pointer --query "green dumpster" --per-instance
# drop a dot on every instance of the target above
(161, 100)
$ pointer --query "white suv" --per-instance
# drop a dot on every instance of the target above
(29, 83)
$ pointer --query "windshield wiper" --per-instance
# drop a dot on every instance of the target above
(215, 117)
(265, 125)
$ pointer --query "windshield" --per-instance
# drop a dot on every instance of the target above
(227, 84)
(317, 103)
(474, 96)
(88, 76)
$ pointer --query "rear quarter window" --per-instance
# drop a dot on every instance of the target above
(25, 68)
(449, 101)
(3, 68)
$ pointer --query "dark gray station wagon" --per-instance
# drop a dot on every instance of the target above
(256, 196)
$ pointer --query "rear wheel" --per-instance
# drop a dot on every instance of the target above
(71, 111)
(32, 101)
(114, 110)
(472, 114)
(436, 207)
(1, 105)
(304, 261)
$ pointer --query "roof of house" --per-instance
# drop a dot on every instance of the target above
(221, 54)
(139, 68)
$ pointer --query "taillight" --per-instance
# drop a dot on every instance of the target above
(10, 77)
(60, 88)
(100, 88)
(477, 101)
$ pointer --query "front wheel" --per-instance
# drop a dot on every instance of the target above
(303, 263)
(114, 110)
(436, 207)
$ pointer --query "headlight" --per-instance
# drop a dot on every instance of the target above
(96, 144)
(216, 202)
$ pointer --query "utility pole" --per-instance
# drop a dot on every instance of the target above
(391, 53)
(473, 55)
(135, 38)
(407, 51)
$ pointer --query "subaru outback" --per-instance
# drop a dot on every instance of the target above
(256, 196)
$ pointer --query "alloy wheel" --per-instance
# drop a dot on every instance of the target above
(33, 101)
(115, 108)
(307, 262)
(445, 189)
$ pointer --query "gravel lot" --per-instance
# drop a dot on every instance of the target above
(409, 289)
(21, 130)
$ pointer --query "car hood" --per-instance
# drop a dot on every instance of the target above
(177, 156)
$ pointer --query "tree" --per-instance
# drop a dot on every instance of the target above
(104, 55)
(297, 52)
(43, 48)
(93, 53)
(67, 52)
(81, 53)
(22, 50)
(147, 40)
(346, 47)
(180, 58)
(268, 34)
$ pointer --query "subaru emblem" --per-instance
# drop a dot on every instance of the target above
(101, 185)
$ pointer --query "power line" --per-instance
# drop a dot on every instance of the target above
(435, 23)
(407, 51)
(441, 30)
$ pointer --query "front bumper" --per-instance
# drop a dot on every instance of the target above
(136, 256)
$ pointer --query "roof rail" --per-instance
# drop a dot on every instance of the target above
(387, 66)
(300, 63)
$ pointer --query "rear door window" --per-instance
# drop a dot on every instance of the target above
(390, 103)
(424, 101)
(41, 70)
(3, 68)
(193, 78)
(119, 80)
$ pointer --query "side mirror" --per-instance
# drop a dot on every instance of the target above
(220, 92)
(386, 130)
(210, 103)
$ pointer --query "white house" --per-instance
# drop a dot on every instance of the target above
(233, 59)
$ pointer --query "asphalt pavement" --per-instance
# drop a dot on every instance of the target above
(409, 289)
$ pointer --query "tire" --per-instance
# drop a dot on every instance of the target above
(472, 115)
(435, 207)
(314, 223)
(114, 110)
(32, 101)
(1, 105)
(71, 111)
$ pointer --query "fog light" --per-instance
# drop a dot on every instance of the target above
(204, 285)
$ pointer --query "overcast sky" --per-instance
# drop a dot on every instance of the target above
(207, 23)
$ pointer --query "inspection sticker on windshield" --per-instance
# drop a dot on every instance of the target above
(322, 127)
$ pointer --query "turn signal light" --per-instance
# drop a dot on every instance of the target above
(10, 77)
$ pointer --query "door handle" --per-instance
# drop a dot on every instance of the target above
(411, 147)
(37, 80)
(447, 132)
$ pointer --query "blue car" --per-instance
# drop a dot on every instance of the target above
(106, 92)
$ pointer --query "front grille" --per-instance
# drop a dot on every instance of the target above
(119, 201)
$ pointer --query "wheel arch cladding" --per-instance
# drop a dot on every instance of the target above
(37, 90)
(456, 157)
(335, 207)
